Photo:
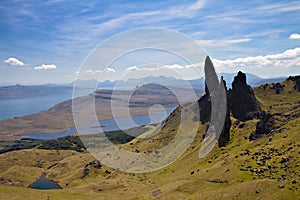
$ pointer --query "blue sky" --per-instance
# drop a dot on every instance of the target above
(47, 41)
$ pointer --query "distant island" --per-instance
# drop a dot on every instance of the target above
(28, 91)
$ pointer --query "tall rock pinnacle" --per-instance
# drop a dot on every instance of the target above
(211, 78)
(215, 94)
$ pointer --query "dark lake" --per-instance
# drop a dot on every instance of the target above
(107, 125)
(43, 183)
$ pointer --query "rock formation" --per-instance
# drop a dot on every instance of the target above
(243, 104)
(225, 135)
(212, 85)
(212, 80)
(95, 164)
(263, 127)
(296, 80)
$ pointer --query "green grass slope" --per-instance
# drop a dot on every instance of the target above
(266, 168)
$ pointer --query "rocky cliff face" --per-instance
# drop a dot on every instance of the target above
(243, 104)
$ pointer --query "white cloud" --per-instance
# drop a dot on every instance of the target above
(45, 67)
(288, 58)
(295, 36)
(175, 66)
(133, 68)
(163, 67)
(90, 71)
(109, 70)
(14, 62)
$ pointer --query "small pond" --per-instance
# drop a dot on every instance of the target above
(43, 183)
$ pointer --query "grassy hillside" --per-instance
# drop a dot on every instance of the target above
(266, 168)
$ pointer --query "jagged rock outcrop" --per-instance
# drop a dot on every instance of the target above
(296, 80)
(263, 127)
(95, 164)
(277, 87)
(243, 104)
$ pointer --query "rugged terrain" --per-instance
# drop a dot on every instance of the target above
(259, 160)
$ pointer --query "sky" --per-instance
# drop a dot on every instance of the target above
(49, 40)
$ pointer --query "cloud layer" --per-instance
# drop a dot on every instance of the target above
(288, 58)
(14, 62)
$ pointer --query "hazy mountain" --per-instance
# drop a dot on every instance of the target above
(21, 91)
(198, 84)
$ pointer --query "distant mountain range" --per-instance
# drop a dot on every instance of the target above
(20, 91)
(198, 84)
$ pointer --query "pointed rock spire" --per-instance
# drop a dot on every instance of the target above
(211, 78)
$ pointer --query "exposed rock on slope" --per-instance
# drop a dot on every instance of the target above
(263, 127)
(296, 79)
(243, 104)
(277, 113)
